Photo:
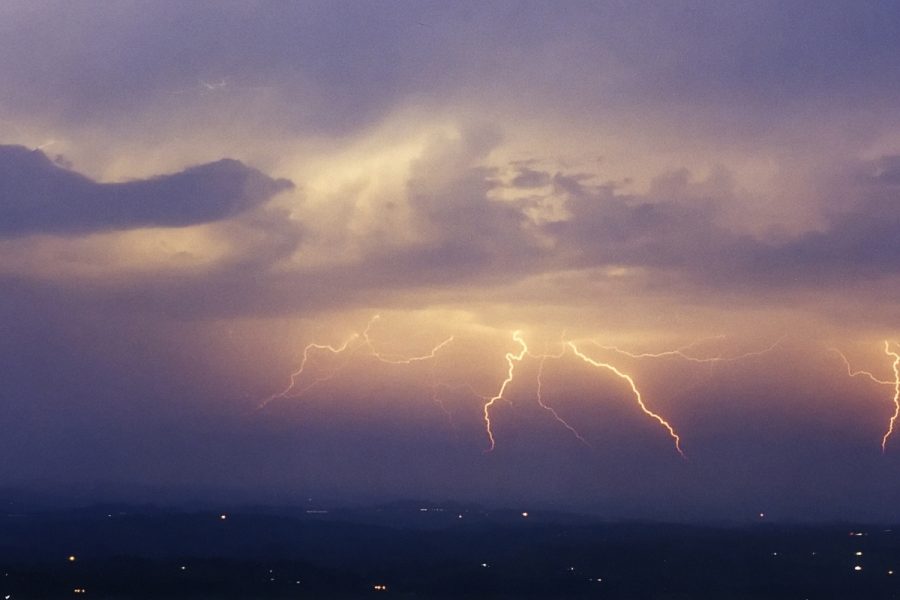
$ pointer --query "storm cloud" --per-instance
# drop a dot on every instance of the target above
(215, 188)
(40, 196)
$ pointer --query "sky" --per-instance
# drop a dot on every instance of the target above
(636, 259)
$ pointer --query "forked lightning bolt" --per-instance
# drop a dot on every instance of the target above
(851, 372)
(291, 392)
(637, 395)
(393, 359)
(358, 342)
(896, 367)
(681, 352)
(550, 409)
(511, 360)
(856, 373)
(295, 376)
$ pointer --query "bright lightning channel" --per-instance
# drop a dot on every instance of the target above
(851, 372)
(896, 367)
(511, 360)
(637, 394)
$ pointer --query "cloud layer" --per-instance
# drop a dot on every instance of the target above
(645, 174)
(39, 196)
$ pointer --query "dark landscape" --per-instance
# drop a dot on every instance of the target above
(426, 550)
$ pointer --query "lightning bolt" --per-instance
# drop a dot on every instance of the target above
(637, 394)
(680, 352)
(336, 350)
(896, 382)
(295, 376)
(511, 360)
(393, 359)
(550, 409)
(852, 373)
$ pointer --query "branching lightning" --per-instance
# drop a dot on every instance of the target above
(295, 376)
(550, 409)
(511, 360)
(856, 373)
(291, 390)
(896, 367)
(851, 372)
(363, 345)
(681, 352)
(637, 394)
(393, 359)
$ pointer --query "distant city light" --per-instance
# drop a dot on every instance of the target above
(857, 568)
(484, 565)
(76, 591)
(223, 517)
(858, 553)
(379, 587)
(71, 558)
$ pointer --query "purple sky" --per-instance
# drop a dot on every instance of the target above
(702, 197)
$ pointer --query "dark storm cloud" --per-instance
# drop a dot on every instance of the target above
(39, 196)
(345, 65)
(529, 178)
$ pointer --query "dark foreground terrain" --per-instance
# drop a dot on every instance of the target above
(425, 551)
